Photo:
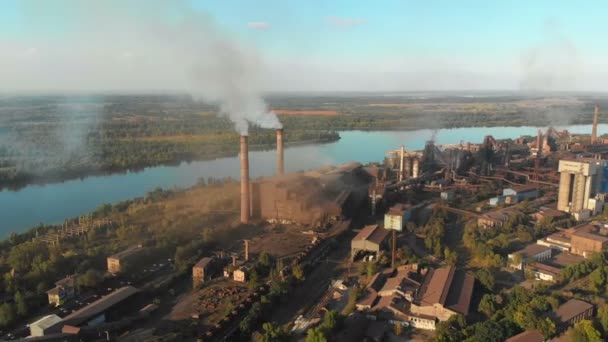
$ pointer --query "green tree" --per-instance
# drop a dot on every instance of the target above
(371, 269)
(451, 330)
(398, 329)
(297, 272)
(487, 305)
(545, 326)
(451, 257)
(488, 331)
(7, 315)
(315, 335)
(272, 333)
(20, 304)
(584, 331)
(331, 321)
(486, 278)
(602, 316)
(90, 278)
(353, 296)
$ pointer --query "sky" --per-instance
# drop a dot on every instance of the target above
(313, 45)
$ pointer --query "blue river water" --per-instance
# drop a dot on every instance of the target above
(52, 203)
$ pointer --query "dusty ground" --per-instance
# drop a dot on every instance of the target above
(212, 302)
(280, 241)
(305, 112)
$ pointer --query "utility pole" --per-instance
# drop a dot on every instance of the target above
(394, 248)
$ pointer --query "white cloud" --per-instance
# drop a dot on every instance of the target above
(258, 25)
(345, 22)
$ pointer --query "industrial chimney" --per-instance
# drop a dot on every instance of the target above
(594, 129)
(401, 156)
(245, 204)
(280, 162)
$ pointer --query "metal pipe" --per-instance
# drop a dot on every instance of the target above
(245, 201)
(280, 161)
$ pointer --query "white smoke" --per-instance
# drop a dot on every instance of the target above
(138, 44)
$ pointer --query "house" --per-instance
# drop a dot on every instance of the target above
(370, 239)
(589, 239)
(573, 311)
(397, 216)
(544, 272)
(518, 259)
(445, 292)
(64, 290)
(120, 261)
(201, 269)
(241, 274)
(41, 326)
(527, 336)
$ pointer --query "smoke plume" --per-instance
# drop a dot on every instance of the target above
(151, 45)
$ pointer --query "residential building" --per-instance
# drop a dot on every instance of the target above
(41, 326)
(201, 269)
(589, 239)
(118, 261)
(520, 258)
(527, 336)
(580, 182)
(64, 290)
(370, 239)
(573, 311)
(445, 292)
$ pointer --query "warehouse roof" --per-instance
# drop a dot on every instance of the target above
(527, 336)
(449, 287)
(372, 233)
(127, 252)
(532, 250)
(571, 309)
(204, 262)
(100, 305)
(46, 321)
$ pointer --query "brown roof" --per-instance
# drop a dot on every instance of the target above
(399, 209)
(449, 287)
(527, 336)
(127, 252)
(591, 236)
(525, 188)
(67, 281)
(532, 250)
(372, 233)
(203, 263)
(100, 305)
(547, 269)
(571, 309)
(548, 212)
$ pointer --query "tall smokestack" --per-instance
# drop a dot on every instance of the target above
(401, 156)
(280, 162)
(539, 142)
(594, 129)
(245, 204)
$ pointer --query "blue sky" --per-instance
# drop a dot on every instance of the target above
(381, 45)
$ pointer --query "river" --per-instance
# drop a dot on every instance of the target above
(52, 203)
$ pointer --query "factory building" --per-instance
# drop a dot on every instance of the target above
(311, 198)
(532, 253)
(581, 180)
(589, 239)
(64, 290)
(397, 216)
(370, 239)
(202, 270)
(119, 261)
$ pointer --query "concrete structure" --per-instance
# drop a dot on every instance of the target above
(245, 196)
(445, 292)
(596, 114)
(118, 261)
(241, 274)
(42, 326)
(580, 181)
(405, 163)
(544, 272)
(64, 290)
(589, 239)
(496, 218)
(311, 198)
(527, 336)
(553, 214)
(522, 192)
(201, 270)
(531, 252)
(397, 216)
(573, 311)
(370, 239)
(447, 195)
(280, 160)
(558, 241)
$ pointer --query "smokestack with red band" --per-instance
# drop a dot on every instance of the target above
(245, 204)
(280, 162)
(594, 129)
